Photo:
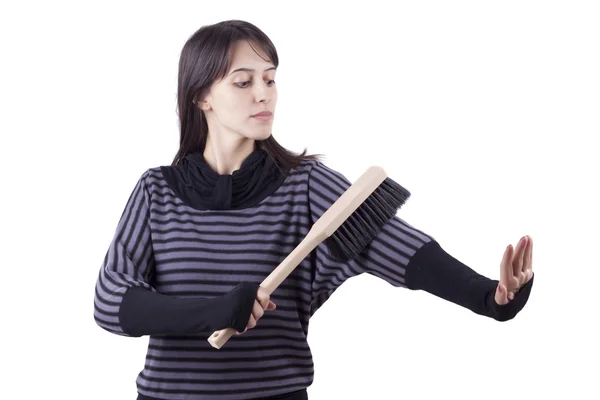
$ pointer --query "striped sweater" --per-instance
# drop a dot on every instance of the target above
(165, 245)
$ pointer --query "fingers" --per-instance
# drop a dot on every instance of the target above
(515, 269)
(527, 265)
(251, 322)
(258, 311)
(506, 265)
(518, 261)
(263, 297)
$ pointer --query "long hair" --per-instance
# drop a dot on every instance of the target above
(205, 58)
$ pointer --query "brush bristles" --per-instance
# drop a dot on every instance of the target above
(367, 221)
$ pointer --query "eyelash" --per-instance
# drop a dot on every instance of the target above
(239, 84)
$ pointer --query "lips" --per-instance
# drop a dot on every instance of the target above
(263, 114)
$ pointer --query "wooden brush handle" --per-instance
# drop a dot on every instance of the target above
(219, 338)
(324, 227)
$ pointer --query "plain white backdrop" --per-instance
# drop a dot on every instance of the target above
(488, 112)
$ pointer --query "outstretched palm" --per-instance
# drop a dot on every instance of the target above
(515, 270)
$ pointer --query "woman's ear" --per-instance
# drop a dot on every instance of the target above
(202, 101)
(204, 105)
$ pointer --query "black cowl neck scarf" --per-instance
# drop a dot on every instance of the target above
(202, 188)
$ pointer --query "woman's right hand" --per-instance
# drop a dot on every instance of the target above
(262, 303)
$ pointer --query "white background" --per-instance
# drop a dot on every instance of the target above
(488, 112)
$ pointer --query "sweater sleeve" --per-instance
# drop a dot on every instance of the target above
(404, 257)
(125, 302)
(385, 257)
(435, 271)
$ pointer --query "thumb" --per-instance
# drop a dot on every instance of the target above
(501, 295)
(271, 306)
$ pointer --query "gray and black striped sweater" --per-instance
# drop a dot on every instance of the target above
(191, 248)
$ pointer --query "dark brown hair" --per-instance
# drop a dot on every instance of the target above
(205, 58)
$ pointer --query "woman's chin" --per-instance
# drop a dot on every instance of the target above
(259, 135)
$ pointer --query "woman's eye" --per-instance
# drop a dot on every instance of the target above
(245, 84)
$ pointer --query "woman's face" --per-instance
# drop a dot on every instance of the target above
(247, 89)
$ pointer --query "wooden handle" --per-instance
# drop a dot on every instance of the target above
(324, 227)
(272, 282)
(219, 338)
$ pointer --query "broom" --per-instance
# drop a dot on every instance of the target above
(347, 227)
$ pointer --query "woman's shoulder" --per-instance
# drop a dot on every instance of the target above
(153, 182)
(150, 176)
(306, 166)
(301, 173)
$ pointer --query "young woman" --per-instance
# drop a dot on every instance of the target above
(196, 239)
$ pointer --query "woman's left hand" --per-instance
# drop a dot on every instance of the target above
(515, 270)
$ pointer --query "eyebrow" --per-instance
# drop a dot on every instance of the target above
(249, 70)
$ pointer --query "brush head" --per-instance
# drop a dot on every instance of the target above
(366, 221)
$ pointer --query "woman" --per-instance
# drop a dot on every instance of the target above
(197, 237)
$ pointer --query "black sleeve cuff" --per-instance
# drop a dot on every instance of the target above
(433, 270)
(511, 309)
(143, 312)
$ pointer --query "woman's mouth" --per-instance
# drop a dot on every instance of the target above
(263, 116)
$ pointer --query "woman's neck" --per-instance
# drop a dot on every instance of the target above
(226, 157)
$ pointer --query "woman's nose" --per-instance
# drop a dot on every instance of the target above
(261, 92)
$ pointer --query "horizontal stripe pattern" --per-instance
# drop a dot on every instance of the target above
(167, 246)
(386, 256)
